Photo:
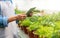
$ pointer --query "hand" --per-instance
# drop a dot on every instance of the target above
(21, 17)
(18, 17)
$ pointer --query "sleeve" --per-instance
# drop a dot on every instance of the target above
(3, 21)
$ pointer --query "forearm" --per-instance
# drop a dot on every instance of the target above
(17, 17)
(10, 19)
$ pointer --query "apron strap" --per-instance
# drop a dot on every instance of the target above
(0, 9)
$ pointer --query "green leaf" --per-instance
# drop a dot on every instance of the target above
(26, 22)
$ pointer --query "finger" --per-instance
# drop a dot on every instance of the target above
(23, 16)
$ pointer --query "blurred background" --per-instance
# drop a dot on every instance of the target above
(45, 7)
(40, 4)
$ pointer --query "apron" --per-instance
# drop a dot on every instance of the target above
(12, 30)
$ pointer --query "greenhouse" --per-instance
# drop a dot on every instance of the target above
(29, 19)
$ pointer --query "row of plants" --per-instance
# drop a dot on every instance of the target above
(47, 26)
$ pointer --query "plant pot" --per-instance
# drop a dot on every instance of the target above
(25, 30)
(30, 33)
(36, 36)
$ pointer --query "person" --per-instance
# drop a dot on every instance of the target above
(8, 26)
